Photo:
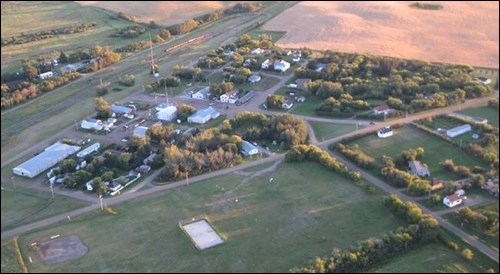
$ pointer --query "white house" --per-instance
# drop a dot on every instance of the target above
(91, 124)
(288, 104)
(93, 148)
(418, 169)
(247, 149)
(281, 65)
(382, 109)
(483, 80)
(203, 115)
(257, 51)
(385, 132)
(254, 78)
(167, 114)
(265, 64)
(45, 160)
(452, 200)
(46, 75)
(230, 97)
(140, 132)
(228, 52)
(202, 93)
(458, 130)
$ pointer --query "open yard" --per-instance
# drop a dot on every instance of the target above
(328, 130)
(10, 262)
(430, 258)
(303, 213)
(483, 112)
(23, 205)
(464, 32)
(435, 149)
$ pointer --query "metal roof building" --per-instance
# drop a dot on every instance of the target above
(45, 160)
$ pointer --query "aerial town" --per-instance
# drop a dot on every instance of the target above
(250, 136)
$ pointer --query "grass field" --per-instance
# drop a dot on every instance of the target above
(483, 112)
(305, 212)
(430, 258)
(22, 205)
(275, 35)
(10, 262)
(435, 149)
(308, 107)
(491, 241)
(328, 130)
(30, 17)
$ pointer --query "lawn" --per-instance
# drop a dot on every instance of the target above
(10, 262)
(304, 213)
(327, 130)
(22, 206)
(275, 35)
(435, 149)
(483, 112)
(491, 241)
(308, 107)
(430, 258)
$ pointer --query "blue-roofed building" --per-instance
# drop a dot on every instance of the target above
(140, 132)
(247, 149)
(45, 160)
(121, 109)
(203, 115)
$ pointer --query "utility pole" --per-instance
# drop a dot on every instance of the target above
(187, 178)
(52, 190)
(100, 200)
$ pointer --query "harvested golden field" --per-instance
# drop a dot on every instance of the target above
(163, 12)
(461, 32)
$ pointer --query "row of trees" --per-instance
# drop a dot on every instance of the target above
(344, 106)
(484, 220)
(129, 32)
(365, 254)
(354, 153)
(27, 91)
(313, 153)
(46, 34)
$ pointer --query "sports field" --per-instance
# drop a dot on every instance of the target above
(304, 212)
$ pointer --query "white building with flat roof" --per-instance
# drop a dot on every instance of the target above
(45, 160)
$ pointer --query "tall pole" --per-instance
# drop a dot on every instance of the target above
(100, 200)
(52, 190)
(187, 178)
(151, 50)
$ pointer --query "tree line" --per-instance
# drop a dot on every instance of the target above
(46, 34)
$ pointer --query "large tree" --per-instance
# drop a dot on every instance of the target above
(102, 107)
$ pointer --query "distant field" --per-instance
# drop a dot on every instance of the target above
(30, 17)
(328, 130)
(435, 149)
(305, 212)
(465, 32)
(483, 112)
(163, 12)
(431, 258)
(22, 205)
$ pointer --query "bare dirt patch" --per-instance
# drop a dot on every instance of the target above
(463, 32)
(163, 12)
(61, 250)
